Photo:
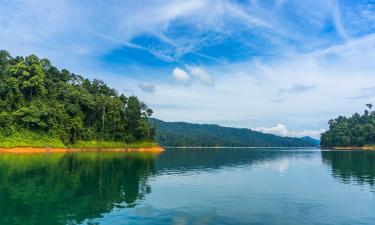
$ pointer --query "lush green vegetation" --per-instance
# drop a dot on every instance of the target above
(357, 130)
(114, 144)
(25, 138)
(43, 106)
(204, 135)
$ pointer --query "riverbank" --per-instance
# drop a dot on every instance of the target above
(354, 148)
(79, 146)
(31, 150)
(28, 142)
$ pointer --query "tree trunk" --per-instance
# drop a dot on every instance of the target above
(114, 131)
(103, 115)
(148, 128)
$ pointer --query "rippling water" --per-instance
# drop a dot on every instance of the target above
(189, 186)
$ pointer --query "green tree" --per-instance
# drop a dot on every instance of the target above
(36, 96)
(369, 105)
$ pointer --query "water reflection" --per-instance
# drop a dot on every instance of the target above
(190, 186)
(352, 166)
(186, 160)
(69, 188)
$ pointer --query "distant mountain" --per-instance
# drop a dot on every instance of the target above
(311, 140)
(208, 135)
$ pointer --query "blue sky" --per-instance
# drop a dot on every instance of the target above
(280, 66)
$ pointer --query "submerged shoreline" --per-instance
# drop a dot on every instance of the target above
(31, 150)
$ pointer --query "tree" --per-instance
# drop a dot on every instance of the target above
(133, 117)
(36, 96)
(357, 130)
(149, 113)
(369, 105)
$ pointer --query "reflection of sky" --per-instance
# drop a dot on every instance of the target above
(252, 193)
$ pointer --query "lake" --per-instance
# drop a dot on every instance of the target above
(189, 186)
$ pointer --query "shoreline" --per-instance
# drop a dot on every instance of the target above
(31, 150)
(369, 148)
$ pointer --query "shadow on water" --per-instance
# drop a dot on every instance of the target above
(69, 188)
(357, 167)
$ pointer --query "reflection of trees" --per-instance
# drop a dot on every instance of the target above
(351, 166)
(60, 189)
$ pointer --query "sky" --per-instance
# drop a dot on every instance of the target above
(277, 66)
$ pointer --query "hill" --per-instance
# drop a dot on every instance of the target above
(311, 140)
(206, 135)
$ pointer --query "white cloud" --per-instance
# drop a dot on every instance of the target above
(279, 130)
(282, 130)
(181, 75)
(242, 92)
(201, 75)
(195, 73)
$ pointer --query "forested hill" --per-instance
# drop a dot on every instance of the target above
(204, 135)
(357, 130)
(39, 101)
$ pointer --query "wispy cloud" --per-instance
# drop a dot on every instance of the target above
(231, 56)
(296, 89)
(149, 88)
(365, 93)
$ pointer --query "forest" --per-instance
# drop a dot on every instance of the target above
(357, 130)
(181, 134)
(42, 105)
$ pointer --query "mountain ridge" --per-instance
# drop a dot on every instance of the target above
(183, 134)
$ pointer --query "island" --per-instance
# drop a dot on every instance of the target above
(47, 109)
(354, 132)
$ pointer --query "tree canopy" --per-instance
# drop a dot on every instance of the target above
(357, 130)
(37, 97)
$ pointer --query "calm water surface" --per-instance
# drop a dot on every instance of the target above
(189, 186)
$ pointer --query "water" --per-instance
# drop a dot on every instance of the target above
(189, 186)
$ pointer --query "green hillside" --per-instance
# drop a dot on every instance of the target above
(205, 135)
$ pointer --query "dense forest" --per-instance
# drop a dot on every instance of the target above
(357, 130)
(39, 100)
(205, 135)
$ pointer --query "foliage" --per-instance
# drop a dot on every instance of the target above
(25, 138)
(204, 135)
(113, 144)
(357, 130)
(37, 97)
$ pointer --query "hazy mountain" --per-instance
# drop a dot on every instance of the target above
(312, 140)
